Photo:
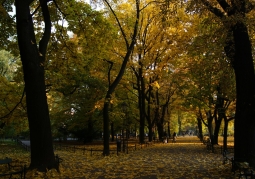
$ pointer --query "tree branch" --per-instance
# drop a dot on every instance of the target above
(225, 6)
(59, 8)
(109, 71)
(20, 101)
(35, 10)
(121, 29)
(232, 118)
(47, 30)
(202, 119)
(214, 10)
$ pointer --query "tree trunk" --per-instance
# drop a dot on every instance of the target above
(200, 131)
(168, 129)
(106, 127)
(179, 122)
(141, 101)
(112, 131)
(90, 131)
(210, 127)
(42, 155)
(217, 130)
(150, 132)
(148, 117)
(225, 135)
(160, 131)
(245, 103)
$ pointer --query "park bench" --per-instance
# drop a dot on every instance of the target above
(209, 145)
(12, 169)
(242, 167)
(228, 157)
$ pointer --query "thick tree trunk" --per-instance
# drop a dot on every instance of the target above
(245, 103)
(42, 155)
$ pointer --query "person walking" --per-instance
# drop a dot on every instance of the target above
(174, 137)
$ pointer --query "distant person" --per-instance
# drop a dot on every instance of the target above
(165, 140)
(174, 137)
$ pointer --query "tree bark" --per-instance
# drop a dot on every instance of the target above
(225, 135)
(106, 127)
(210, 126)
(42, 155)
(168, 129)
(148, 116)
(217, 130)
(112, 131)
(245, 103)
(179, 122)
(200, 131)
(141, 106)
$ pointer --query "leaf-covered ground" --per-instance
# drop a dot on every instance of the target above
(176, 161)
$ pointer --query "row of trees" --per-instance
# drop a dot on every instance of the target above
(128, 59)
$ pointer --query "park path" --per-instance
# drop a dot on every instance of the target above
(161, 161)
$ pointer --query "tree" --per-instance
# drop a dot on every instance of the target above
(112, 85)
(6, 23)
(238, 50)
(153, 62)
(33, 58)
(76, 82)
(11, 103)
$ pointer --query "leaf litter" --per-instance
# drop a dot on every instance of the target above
(160, 161)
